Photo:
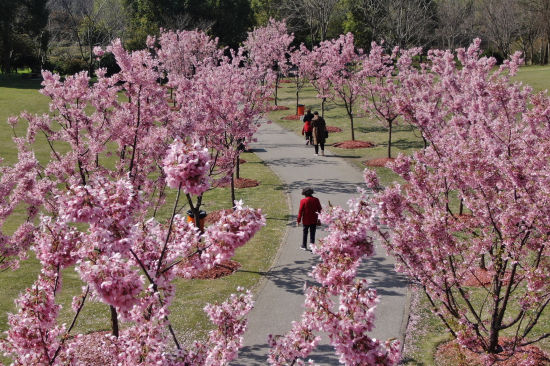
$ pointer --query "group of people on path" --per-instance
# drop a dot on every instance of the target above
(315, 131)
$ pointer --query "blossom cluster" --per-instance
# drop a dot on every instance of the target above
(188, 167)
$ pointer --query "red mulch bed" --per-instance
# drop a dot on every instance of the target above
(214, 216)
(451, 354)
(284, 81)
(481, 277)
(333, 129)
(378, 162)
(291, 117)
(88, 354)
(219, 270)
(171, 101)
(241, 183)
(242, 161)
(280, 108)
(353, 144)
(174, 108)
(270, 99)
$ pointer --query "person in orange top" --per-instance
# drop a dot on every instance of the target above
(308, 215)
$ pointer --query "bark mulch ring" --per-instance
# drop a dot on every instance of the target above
(87, 350)
(291, 117)
(481, 277)
(214, 216)
(285, 81)
(241, 183)
(279, 108)
(333, 129)
(353, 144)
(377, 162)
(242, 161)
(451, 354)
(219, 270)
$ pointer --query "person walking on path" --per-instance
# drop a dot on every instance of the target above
(307, 127)
(306, 130)
(308, 214)
(319, 131)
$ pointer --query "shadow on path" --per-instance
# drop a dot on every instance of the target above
(256, 355)
(326, 186)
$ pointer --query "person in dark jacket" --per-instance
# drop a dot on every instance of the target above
(308, 215)
(319, 131)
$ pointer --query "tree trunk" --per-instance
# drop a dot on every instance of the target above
(482, 262)
(297, 98)
(323, 107)
(114, 321)
(350, 114)
(389, 139)
(233, 190)
(238, 168)
(276, 87)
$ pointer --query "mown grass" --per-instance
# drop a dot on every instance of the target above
(429, 332)
(188, 318)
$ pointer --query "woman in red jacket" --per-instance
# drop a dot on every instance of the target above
(308, 215)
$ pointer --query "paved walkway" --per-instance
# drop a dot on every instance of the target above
(280, 299)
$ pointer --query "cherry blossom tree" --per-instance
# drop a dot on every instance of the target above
(298, 57)
(382, 87)
(267, 48)
(488, 149)
(97, 203)
(222, 109)
(339, 64)
(312, 66)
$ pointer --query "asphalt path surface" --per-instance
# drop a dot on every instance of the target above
(281, 295)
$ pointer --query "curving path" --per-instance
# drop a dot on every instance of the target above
(280, 298)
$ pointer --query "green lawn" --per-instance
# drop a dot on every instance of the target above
(187, 316)
(189, 320)
(429, 331)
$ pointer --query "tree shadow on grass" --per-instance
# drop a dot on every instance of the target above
(20, 83)
(404, 144)
(373, 129)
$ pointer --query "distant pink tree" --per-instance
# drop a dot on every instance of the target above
(182, 52)
(311, 66)
(298, 58)
(339, 65)
(267, 49)
(488, 148)
(340, 306)
(222, 109)
(113, 155)
(383, 83)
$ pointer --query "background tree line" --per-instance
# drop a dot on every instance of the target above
(60, 34)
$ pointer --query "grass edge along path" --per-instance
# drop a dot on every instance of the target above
(188, 318)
